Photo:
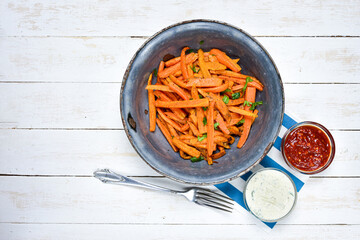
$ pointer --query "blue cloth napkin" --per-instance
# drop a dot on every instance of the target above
(273, 159)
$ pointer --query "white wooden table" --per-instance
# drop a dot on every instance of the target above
(61, 66)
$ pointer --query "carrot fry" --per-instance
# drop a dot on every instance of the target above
(183, 63)
(172, 61)
(183, 104)
(250, 97)
(152, 108)
(194, 129)
(186, 137)
(215, 66)
(199, 111)
(242, 111)
(185, 127)
(186, 148)
(224, 59)
(178, 90)
(204, 82)
(159, 87)
(210, 129)
(242, 81)
(166, 133)
(168, 120)
(221, 106)
(172, 130)
(177, 81)
(177, 111)
(202, 65)
(161, 66)
(175, 117)
(219, 154)
(235, 102)
(183, 155)
(190, 58)
(218, 89)
(190, 71)
(222, 124)
(236, 75)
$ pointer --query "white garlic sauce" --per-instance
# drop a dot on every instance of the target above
(270, 194)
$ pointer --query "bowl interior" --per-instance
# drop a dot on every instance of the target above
(254, 60)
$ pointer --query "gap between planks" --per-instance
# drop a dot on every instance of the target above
(146, 37)
(173, 224)
(135, 176)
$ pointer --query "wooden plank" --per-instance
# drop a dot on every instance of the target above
(87, 200)
(80, 152)
(175, 232)
(96, 105)
(114, 18)
(89, 59)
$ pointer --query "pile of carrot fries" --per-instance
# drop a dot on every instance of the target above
(200, 101)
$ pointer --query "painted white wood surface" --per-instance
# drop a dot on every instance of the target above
(87, 200)
(98, 59)
(143, 18)
(45, 149)
(175, 232)
(61, 67)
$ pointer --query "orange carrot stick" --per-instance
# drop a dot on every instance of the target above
(250, 97)
(221, 106)
(218, 89)
(168, 120)
(183, 104)
(186, 148)
(166, 133)
(190, 58)
(175, 117)
(202, 65)
(235, 102)
(215, 66)
(183, 63)
(177, 111)
(194, 129)
(159, 87)
(204, 82)
(185, 127)
(222, 124)
(161, 66)
(242, 81)
(243, 111)
(177, 81)
(152, 109)
(224, 59)
(178, 90)
(190, 71)
(199, 111)
(210, 129)
(172, 61)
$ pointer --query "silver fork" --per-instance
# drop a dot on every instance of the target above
(200, 196)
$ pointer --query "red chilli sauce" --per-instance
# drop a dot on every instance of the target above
(307, 148)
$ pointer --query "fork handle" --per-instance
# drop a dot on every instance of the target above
(108, 176)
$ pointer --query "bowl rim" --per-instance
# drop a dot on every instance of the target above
(328, 135)
(126, 75)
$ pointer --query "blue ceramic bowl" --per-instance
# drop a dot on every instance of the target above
(153, 147)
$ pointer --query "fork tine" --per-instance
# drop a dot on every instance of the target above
(209, 203)
(211, 192)
(216, 196)
(214, 201)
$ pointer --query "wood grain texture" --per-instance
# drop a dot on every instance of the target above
(87, 200)
(119, 18)
(175, 232)
(94, 59)
(80, 152)
(96, 105)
